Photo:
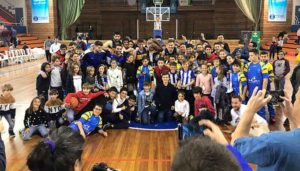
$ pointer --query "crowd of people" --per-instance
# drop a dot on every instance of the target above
(109, 85)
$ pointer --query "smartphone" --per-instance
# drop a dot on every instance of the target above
(276, 96)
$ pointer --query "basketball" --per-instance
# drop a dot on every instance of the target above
(73, 102)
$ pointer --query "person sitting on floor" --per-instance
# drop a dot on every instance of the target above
(89, 122)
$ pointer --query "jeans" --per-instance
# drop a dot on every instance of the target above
(10, 123)
(56, 123)
(164, 115)
(148, 115)
(279, 83)
(41, 129)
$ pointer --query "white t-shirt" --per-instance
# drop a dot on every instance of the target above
(77, 81)
(56, 77)
(182, 106)
(237, 114)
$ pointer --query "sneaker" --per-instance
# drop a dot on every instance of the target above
(106, 126)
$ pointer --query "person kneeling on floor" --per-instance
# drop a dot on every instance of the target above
(89, 122)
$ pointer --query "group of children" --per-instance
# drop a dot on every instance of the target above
(110, 85)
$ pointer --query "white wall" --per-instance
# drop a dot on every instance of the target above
(295, 3)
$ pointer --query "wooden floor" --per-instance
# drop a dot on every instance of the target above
(128, 150)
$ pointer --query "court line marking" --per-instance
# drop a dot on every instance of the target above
(127, 160)
(148, 129)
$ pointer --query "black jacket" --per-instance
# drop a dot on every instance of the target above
(165, 96)
(42, 84)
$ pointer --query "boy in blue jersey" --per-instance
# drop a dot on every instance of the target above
(238, 81)
(257, 76)
(264, 56)
(89, 122)
(118, 56)
(213, 70)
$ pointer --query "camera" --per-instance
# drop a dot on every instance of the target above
(276, 96)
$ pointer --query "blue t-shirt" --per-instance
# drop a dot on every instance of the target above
(89, 123)
(243, 163)
(214, 73)
(255, 74)
(238, 81)
(275, 151)
(94, 59)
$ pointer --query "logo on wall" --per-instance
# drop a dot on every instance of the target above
(277, 10)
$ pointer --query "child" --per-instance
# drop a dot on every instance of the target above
(74, 79)
(56, 76)
(219, 93)
(83, 97)
(144, 74)
(223, 61)
(35, 121)
(129, 75)
(281, 68)
(238, 81)
(182, 108)
(101, 83)
(8, 107)
(273, 48)
(90, 75)
(194, 65)
(146, 105)
(43, 81)
(173, 74)
(130, 113)
(202, 103)
(186, 81)
(114, 76)
(140, 53)
(119, 121)
(205, 81)
(89, 122)
(216, 64)
(54, 108)
(159, 69)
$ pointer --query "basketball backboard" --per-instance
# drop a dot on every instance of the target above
(158, 13)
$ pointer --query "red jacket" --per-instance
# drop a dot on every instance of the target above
(211, 58)
(82, 99)
(158, 72)
(204, 102)
(61, 56)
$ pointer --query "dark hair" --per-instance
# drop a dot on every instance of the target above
(98, 43)
(123, 89)
(145, 58)
(99, 105)
(54, 58)
(202, 153)
(173, 64)
(236, 97)
(113, 89)
(161, 59)
(189, 46)
(181, 92)
(117, 33)
(43, 66)
(207, 46)
(62, 46)
(236, 63)
(59, 152)
(222, 73)
(146, 84)
(255, 51)
(140, 41)
(30, 109)
(254, 44)
(197, 90)
(132, 97)
(263, 53)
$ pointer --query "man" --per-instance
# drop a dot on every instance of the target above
(221, 38)
(278, 150)
(114, 42)
(242, 50)
(47, 44)
(258, 126)
(62, 53)
(54, 47)
(257, 76)
(295, 81)
(94, 58)
(165, 96)
(209, 56)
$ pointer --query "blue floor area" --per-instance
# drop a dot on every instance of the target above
(172, 125)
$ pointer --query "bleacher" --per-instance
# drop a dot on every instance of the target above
(290, 47)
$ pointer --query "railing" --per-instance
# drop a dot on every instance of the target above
(6, 14)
